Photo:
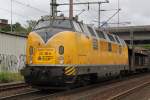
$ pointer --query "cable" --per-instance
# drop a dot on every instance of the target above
(27, 5)
(111, 17)
(87, 11)
(6, 10)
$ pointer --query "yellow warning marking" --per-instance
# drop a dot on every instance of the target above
(70, 70)
(72, 73)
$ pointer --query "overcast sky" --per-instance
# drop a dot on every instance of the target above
(134, 11)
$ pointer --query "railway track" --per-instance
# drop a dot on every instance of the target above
(130, 91)
(20, 96)
(104, 91)
(110, 90)
(32, 95)
(11, 86)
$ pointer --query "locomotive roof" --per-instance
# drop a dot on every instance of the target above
(58, 17)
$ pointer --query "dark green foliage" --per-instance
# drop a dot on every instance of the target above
(31, 25)
(18, 28)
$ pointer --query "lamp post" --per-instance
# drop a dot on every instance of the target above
(71, 9)
(99, 15)
(11, 18)
(132, 48)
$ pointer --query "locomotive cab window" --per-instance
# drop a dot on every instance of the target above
(42, 24)
(91, 31)
(47, 28)
(100, 34)
(56, 23)
(61, 23)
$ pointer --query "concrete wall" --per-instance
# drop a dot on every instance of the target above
(12, 52)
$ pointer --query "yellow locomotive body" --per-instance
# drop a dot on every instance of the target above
(78, 52)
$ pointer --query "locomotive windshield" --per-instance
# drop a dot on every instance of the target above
(55, 23)
(46, 29)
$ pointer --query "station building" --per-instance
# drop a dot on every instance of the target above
(3, 22)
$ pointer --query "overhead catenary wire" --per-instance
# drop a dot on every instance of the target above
(29, 6)
(89, 15)
(110, 18)
(6, 10)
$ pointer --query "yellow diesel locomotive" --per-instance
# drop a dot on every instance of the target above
(62, 51)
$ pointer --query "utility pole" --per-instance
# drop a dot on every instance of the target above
(53, 8)
(11, 18)
(71, 9)
(71, 3)
(132, 47)
(118, 13)
(99, 15)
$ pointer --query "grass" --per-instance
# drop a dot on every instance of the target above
(146, 46)
(6, 77)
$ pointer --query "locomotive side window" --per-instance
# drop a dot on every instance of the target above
(91, 31)
(122, 42)
(100, 34)
(81, 26)
(77, 27)
(109, 47)
(111, 37)
(86, 31)
(117, 39)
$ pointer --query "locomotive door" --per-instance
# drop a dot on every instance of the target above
(82, 43)
(83, 49)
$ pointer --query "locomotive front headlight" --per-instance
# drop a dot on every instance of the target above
(61, 60)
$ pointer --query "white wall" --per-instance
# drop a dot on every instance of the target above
(12, 52)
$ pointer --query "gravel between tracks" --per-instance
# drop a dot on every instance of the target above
(102, 92)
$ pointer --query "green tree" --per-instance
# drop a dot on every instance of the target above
(17, 27)
(30, 25)
(6, 28)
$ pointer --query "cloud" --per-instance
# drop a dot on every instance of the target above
(135, 11)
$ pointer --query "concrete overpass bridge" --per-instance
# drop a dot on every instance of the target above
(141, 34)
